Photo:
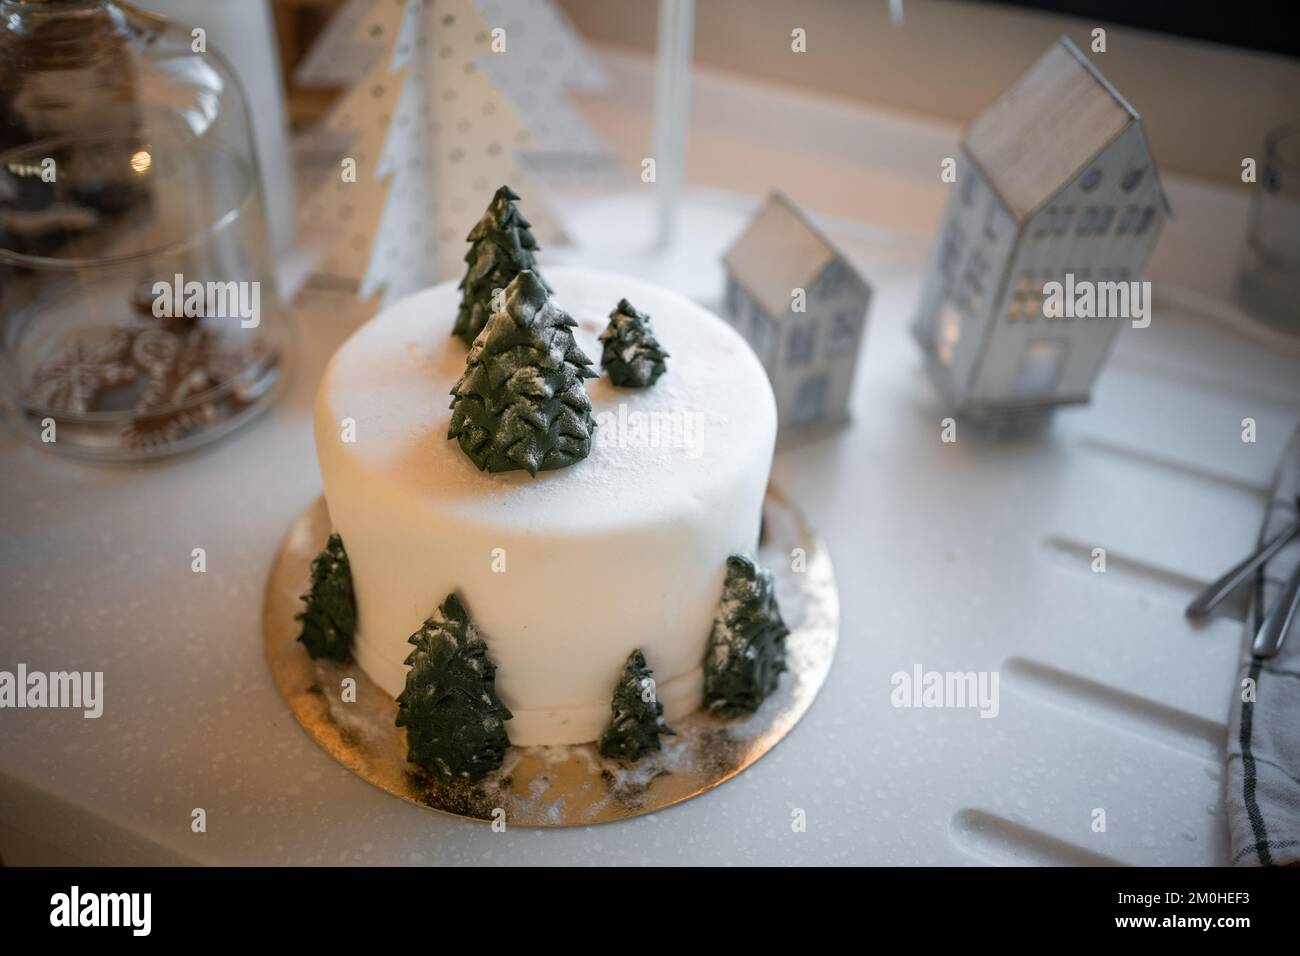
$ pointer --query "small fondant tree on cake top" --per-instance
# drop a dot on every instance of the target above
(329, 619)
(632, 356)
(453, 718)
(521, 402)
(638, 715)
(501, 247)
(746, 652)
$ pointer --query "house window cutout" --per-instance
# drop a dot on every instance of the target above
(810, 399)
(1095, 220)
(1040, 368)
(947, 333)
(1080, 276)
(844, 332)
(1128, 222)
(1054, 221)
(1131, 180)
(799, 344)
(1091, 180)
(954, 241)
(993, 221)
(1023, 295)
(1029, 290)
(1148, 216)
(971, 291)
(1034, 303)
(1046, 222)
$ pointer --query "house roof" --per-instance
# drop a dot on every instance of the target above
(1046, 128)
(780, 250)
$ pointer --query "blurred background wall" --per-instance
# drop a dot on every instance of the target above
(952, 58)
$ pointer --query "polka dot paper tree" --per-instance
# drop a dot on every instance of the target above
(343, 52)
(477, 135)
(341, 218)
(404, 254)
(432, 158)
(541, 61)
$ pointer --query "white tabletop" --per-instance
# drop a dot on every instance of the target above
(967, 556)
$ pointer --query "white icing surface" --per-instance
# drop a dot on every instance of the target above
(625, 549)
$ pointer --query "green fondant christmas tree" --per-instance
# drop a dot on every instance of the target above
(632, 356)
(521, 402)
(746, 652)
(501, 247)
(329, 619)
(638, 716)
(453, 718)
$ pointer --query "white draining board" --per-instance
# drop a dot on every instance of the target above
(969, 556)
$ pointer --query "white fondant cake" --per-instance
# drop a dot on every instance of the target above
(566, 573)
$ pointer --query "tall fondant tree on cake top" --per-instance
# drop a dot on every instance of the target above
(638, 716)
(453, 718)
(632, 356)
(521, 402)
(746, 652)
(501, 247)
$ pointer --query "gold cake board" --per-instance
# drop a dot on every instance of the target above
(563, 785)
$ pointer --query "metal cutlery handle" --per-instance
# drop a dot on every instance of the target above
(1280, 619)
(1215, 594)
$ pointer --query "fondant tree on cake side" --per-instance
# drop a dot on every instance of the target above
(746, 653)
(454, 721)
(521, 402)
(638, 716)
(329, 619)
(501, 247)
(632, 356)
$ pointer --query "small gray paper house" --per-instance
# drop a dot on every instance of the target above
(1055, 184)
(802, 307)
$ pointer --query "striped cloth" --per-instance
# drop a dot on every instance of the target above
(1263, 778)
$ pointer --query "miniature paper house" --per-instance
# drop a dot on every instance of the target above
(1055, 180)
(801, 307)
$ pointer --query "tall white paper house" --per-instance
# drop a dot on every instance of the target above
(1055, 179)
(802, 308)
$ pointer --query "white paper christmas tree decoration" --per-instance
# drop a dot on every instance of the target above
(340, 219)
(550, 37)
(341, 56)
(343, 52)
(477, 136)
(540, 59)
(429, 169)
(404, 254)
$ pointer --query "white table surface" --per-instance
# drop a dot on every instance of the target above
(967, 556)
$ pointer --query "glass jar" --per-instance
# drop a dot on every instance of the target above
(137, 297)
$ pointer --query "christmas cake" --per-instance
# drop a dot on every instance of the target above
(527, 539)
